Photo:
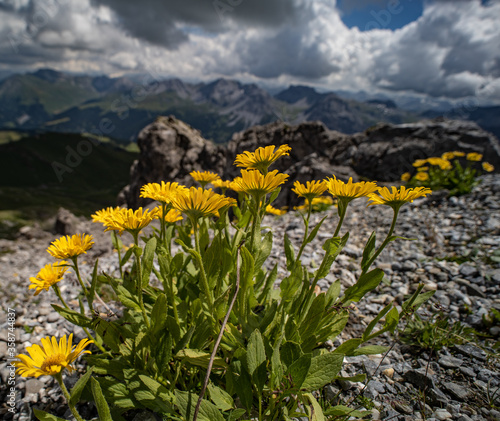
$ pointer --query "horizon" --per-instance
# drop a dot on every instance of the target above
(433, 49)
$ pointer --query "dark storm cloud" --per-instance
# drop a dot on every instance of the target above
(160, 22)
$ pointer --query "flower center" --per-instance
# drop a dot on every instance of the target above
(51, 360)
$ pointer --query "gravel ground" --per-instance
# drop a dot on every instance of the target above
(455, 252)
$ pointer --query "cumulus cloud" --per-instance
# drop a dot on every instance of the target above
(450, 51)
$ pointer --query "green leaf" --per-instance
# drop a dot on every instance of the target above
(323, 370)
(256, 359)
(100, 401)
(315, 230)
(45, 416)
(348, 347)
(372, 324)
(317, 412)
(159, 397)
(342, 410)
(199, 358)
(366, 283)
(356, 378)
(242, 384)
(73, 316)
(147, 261)
(290, 352)
(236, 414)
(289, 253)
(186, 402)
(265, 250)
(159, 314)
(220, 398)
(333, 247)
(314, 315)
(77, 390)
(417, 299)
(127, 298)
(370, 350)
(299, 369)
(127, 255)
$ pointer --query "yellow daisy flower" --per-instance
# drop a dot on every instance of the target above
(221, 184)
(103, 214)
(448, 155)
(172, 216)
(473, 156)
(51, 358)
(161, 192)
(204, 177)
(69, 247)
(406, 176)
(349, 190)
(49, 275)
(458, 153)
(129, 220)
(256, 184)
(397, 197)
(311, 190)
(488, 167)
(198, 202)
(423, 169)
(422, 176)
(273, 211)
(262, 158)
(419, 162)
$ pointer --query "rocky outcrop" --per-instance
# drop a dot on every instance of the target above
(386, 151)
(170, 150)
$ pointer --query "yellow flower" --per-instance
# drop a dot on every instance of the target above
(406, 176)
(448, 155)
(438, 161)
(309, 191)
(69, 247)
(172, 216)
(419, 162)
(473, 156)
(221, 184)
(129, 220)
(488, 167)
(262, 158)
(49, 275)
(161, 192)
(103, 214)
(349, 190)
(422, 176)
(257, 184)
(198, 202)
(318, 203)
(274, 211)
(51, 358)
(423, 169)
(397, 197)
(204, 177)
(458, 153)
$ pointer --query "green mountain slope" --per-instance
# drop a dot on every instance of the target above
(39, 173)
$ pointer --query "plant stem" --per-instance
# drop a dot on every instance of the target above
(386, 241)
(342, 209)
(306, 232)
(66, 394)
(203, 274)
(75, 267)
(139, 278)
(219, 338)
(118, 249)
(58, 293)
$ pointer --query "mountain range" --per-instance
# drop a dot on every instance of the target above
(120, 107)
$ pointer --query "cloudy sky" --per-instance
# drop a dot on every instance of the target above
(441, 48)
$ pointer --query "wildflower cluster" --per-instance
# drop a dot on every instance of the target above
(214, 340)
(455, 171)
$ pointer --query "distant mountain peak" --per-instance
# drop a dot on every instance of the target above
(50, 75)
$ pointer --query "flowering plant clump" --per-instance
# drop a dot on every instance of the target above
(211, 338)
(455, 171)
